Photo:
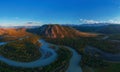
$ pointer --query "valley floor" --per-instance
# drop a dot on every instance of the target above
(61, 56)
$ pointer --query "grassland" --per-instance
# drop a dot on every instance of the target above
(115, 37)
(25, 49)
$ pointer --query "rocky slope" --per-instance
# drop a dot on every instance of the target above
(57, 31)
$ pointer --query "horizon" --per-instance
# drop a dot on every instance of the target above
(97, 24)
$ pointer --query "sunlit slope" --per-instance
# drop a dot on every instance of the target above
(57, 31)
(7, 34)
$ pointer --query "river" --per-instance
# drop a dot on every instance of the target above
(105, 55)
(74, 65)
(38, 63)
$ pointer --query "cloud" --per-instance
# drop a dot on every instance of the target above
(112, 21)
(33, 23)
(88, 21)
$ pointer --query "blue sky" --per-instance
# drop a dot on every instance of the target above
(37, 12)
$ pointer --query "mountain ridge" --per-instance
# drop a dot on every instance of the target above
(58, 31)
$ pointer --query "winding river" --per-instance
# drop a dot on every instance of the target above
(40, 62)
(74, 62)
(43, 61)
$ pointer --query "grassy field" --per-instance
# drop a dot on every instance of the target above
(115, 37)
(76, 43)
(111, 67)
(26, 49)
(80, 43)
(106, 45)
(94, 64)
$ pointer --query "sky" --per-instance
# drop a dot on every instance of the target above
(38, 12)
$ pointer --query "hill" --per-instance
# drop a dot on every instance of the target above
(7, 34)
(57, 31)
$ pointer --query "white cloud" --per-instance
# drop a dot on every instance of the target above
(88, 21)
(33, 23)
(112, 21)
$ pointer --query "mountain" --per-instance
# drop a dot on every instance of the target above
(57, 31)
(88, 27)
(7, 34)
(13, 31)
(102, 28)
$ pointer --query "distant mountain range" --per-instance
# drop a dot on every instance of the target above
(19, 26)
(61, 31)
(98, 28)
